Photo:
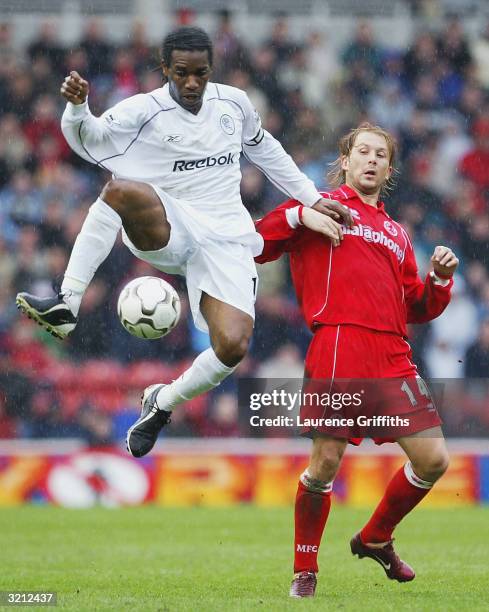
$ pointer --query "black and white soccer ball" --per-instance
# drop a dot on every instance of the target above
(148, 307)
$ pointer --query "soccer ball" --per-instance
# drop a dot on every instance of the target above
(148, 307)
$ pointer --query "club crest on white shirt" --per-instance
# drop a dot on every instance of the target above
(227, 124)
(390, 228)
(173, 138)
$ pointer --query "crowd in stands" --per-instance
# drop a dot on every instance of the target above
(433, 95)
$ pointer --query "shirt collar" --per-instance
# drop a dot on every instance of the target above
(351, 194)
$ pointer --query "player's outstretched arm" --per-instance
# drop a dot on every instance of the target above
(280, 229)
(268, 155)
(427, 300)
(98, 139)
(77, 117)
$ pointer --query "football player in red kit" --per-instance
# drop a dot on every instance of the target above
(357, 292)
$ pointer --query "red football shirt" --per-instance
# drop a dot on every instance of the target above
(370, 280)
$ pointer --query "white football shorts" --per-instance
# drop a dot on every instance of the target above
(223, 269)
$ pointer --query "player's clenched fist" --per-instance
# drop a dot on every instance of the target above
(319, 222)
(444, 261)
(74, 88)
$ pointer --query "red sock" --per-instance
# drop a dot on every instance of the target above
(403, 493)
(311, 514)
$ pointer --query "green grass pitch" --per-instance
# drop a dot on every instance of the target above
(239, 558)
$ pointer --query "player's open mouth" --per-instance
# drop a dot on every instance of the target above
(193, 97)
(370, 173)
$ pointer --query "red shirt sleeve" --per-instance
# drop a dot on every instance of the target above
(424, 300)
(278, 236)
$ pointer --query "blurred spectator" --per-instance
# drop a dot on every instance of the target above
(322, 64)
(451, 334)
(264, 75)
(44, 419)
(15, 390)
(20, 95)
(363, 49)
(252, 188)
(52, 231)
(125, 80)
(145, 57)
(43, 125)
(47, 46)
(15, 148)
(474, 239)
(480, 52)
(30, 265)
(420, 58)
(362, 60)
(229, 52)
(453, 47)
(280, 40)
(475, 162)
(238, 77)
(476, 275)
(477, 356)
(21, 199)
(389, 107)
(287, 363)
(451, 146)
(8, 427)
(6, 48)
(91, 336)
(222, 416)
(96, 426)
(97, 50)
(450, 84)
(308, 132)
(470, 103)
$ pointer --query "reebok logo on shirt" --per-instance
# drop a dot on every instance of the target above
(207, 162)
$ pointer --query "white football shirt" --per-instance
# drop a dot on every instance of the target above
(194, 158)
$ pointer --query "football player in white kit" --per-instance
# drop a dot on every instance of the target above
(175, 193)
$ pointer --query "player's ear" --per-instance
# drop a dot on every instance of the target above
(164, 69)
(345, 162)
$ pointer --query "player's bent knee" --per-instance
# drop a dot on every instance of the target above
(114, 193)
(433, 468)
(325, 460)
(325, 468)
(231, 347)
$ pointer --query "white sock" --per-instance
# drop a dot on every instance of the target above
(206, 372)
(91, 248)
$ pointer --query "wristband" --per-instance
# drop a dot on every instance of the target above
(300, 213)
(442, 276)
(440, 281)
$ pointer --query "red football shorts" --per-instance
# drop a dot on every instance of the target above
(377, 368)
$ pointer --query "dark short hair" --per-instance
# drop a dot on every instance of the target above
(186, 38)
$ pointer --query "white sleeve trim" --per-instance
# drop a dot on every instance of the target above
(292, 215)
(442, 282)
